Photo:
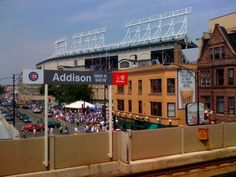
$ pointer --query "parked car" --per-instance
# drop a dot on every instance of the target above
(25, 118)
(31, 127)
(37, 110)
(53, 124)
(9, 116)
(26, 106)
(50, 113)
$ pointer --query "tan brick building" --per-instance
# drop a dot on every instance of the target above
(151, 95)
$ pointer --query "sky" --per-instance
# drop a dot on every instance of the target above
(29, 28)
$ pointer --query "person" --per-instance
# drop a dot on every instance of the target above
(34, 131)
(24, 133)
(61, 129)
(66, 130)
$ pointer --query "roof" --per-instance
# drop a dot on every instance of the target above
(231, 37)
(232, 40)
(124, 48)
(223, 15)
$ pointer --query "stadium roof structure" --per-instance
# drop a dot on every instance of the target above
(162, 29)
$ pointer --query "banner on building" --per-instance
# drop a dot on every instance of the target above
(186, 87)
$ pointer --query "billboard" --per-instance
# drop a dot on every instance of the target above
(192, 114)
(186, 87)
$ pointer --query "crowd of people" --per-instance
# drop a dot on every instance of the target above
(88, 120)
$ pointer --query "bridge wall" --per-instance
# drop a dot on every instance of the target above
(88, 153)
(77, 150)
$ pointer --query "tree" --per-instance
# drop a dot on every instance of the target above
(69, 93)
(1, 89)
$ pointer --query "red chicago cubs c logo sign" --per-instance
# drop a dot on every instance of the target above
(119, 78)
(33, 76)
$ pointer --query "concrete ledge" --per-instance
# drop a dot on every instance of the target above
(120, 168)
(180, 160)
(88, 170)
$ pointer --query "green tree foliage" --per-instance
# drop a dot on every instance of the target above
(1, 89)
(69, 93)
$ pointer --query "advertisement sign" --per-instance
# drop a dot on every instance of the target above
(186, 87)
(120, 78)
(192, 115)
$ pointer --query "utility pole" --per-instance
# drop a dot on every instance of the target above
(14, 100)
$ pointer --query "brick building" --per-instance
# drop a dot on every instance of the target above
(217, 73)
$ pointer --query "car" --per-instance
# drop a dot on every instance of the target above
(22, 116)
(50, 113)
(37, 110)
(25, 118)
(9, 116)
(25, 106)
(53, 124)
(31, 127)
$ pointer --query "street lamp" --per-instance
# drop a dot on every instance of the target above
(195, 76)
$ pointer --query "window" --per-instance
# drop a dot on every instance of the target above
(120, 105)
(155, 85)
(120, 89)
(211, 54)
(129, 87)
(140, 106)
(124, 64)
(171, 109)
(130, 105)
(230, 105)
(156, 108)
(219, 77)
(75, 62)
(205, 82)
(231, 76)
(222, 52)
(217, 53)
(220, 105)
(170, 85)
(140, 88)
(207, 102)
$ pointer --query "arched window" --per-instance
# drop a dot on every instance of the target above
(124, 64)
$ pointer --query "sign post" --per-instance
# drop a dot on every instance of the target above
(110, 120)
(46, 125)
(74, 77)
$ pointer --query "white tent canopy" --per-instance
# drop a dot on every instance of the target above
(79, 104)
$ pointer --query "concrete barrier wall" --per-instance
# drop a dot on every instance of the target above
(155, 143)
(216, 136)
(124, 145)
(230, 134)
(27, 155)
(21, 156)
(191, 141)
(83, 149)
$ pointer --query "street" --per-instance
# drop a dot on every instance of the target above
(40, 117)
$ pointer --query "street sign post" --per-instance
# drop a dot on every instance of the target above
(33, 76)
